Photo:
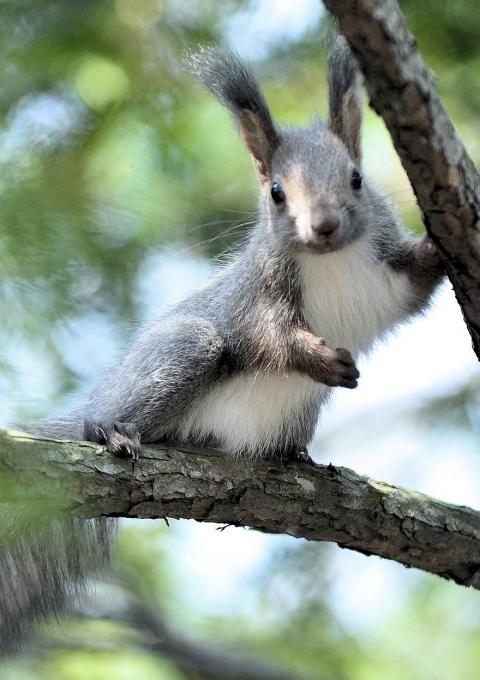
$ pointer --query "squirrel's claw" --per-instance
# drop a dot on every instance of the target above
(120, 439)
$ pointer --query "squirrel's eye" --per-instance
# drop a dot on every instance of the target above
(356, 180)
(277, 193)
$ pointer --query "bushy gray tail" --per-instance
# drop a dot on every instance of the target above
(43, 566)
(46, 558)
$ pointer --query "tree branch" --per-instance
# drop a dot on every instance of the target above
(316, 502)
(443, 177)
(206, 660)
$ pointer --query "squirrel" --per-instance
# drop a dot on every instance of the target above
(247, 362)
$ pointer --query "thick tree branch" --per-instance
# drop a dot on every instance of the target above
(316, 502)
(445, 182)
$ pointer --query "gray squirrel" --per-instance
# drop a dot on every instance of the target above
(247, 362)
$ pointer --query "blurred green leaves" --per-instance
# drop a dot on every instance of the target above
(101, 82)
(142, 564)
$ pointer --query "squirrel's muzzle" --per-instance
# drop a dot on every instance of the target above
(326, 223)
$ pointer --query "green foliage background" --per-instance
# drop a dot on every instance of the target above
(110, 157)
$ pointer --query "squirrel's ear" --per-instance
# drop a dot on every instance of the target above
(344, 83)
(232, 82)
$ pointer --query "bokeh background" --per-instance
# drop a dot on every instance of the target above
(122, 185)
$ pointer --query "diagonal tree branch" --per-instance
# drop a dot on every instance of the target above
(443, 177)
(206, 660)
(316, 502)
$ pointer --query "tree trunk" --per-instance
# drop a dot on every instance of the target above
(443, 177)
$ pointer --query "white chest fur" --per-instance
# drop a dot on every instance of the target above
(249, 412)
(350, 299)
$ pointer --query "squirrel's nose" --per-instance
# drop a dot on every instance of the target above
(327, 223)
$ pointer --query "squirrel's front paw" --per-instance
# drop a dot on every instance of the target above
(337, 368)
(120, 439)
(426, 253)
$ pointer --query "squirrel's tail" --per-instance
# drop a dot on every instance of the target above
(46, 557)
(43, 566)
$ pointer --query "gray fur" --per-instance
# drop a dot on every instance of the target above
(240, 363)
(233, 83)
(43, 566)
(345, 104)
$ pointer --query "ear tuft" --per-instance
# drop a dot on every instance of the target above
(233, 83)
(344, 82)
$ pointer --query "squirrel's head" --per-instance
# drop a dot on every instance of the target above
(313, 194)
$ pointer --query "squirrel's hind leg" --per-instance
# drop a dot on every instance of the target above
(120, 439)
(145, 399)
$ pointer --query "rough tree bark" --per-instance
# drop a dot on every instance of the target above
(316, 502)
(443, 177)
